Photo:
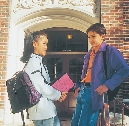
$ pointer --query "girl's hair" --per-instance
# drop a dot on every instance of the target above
(28, 44)
(98, 28)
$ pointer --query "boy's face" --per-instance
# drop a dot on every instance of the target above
(95, 39)
(40, 46)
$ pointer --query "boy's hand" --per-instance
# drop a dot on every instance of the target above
(76, 91)
(101, 89)
(63, 96)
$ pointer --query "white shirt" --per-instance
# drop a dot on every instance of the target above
(45, 108)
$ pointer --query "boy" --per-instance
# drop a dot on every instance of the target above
(94, 82)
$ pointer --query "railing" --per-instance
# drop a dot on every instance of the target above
(104, 117)
(123, 104)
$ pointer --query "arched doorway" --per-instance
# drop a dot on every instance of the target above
(57, 15)
(66, 49)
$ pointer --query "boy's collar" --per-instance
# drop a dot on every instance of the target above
(101, 48)
(95, 49)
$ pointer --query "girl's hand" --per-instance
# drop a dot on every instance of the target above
(63, 96)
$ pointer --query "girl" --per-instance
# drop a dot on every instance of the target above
(43, 113)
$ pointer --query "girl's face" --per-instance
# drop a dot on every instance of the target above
(95, 39)
(40, 46)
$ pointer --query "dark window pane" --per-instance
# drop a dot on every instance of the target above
(54, 67)
(58, 41)
(75, 68)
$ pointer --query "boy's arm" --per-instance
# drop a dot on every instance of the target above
(119, 66)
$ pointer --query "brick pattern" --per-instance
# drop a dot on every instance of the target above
(4, 25)
(126, 28)
(112, 18)
(126, 42)
(115, 17)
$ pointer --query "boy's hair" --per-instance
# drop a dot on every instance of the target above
(28, 44)
(98, 28)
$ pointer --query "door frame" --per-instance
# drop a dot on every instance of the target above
(65, 56)
(65, 108)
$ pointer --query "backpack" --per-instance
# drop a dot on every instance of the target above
(111, 94)
(21, 93)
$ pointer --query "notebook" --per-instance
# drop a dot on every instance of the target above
(63, 83)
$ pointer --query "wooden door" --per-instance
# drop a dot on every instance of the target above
(72, 64)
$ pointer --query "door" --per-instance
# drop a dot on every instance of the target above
(66, 49)
(72, 64)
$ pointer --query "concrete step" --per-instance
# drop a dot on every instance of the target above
(64, 122)
(67, 120)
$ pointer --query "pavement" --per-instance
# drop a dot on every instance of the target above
(118, 119)
(66, 121)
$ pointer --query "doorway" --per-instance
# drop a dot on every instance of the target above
(65, 63)
(66, 50)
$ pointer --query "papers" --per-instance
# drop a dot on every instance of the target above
(63, 84)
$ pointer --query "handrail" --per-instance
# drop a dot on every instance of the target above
(104, 119)
(122, 103)
(123, 107)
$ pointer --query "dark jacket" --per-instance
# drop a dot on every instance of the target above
(117, 72)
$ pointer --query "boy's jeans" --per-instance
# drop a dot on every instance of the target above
(48, 122)
(83, 114)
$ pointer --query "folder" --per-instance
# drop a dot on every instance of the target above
(63, 83)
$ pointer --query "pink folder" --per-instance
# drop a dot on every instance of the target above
(64, 83)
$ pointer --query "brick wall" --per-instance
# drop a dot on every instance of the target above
(115, 17)
(126, 40)
(126, 28)
(4, 25)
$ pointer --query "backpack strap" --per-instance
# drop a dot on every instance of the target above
(105, 61)
(22, 116)
(105, 97)
(105, 110)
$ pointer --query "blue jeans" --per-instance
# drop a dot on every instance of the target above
(83, 114)
(48, 122)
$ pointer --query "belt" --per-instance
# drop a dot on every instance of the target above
(86, 84)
